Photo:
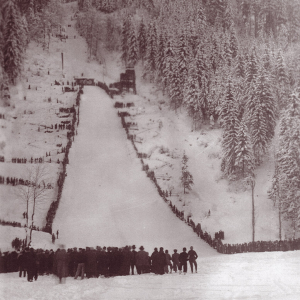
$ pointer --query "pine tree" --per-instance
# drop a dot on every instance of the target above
(282, 82)
(234, 47)
(13, 48)
(191, 95)
(274, 193)
(125, 38)
(174, 87)
(240, 66)
(252, 67)
(261, 111)
(244, 154)
(151, 54)
(186, 177)
(133, 50)
(142, 40)
(160, 56)
(230, 125)
(227, 54)
(203, 76)
(168, 64)
(182, 57)
(288, 161)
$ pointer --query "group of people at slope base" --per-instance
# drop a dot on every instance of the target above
(92, 263)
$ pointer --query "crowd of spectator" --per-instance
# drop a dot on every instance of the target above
(94, 262)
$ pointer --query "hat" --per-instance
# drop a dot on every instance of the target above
(141, 248)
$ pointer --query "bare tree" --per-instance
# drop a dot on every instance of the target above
(24, 192)
(34, 194)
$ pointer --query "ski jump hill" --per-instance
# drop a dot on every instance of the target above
(107, 199)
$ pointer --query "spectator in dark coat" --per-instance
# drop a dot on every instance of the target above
(50, 261)
(72, 261)
(161, 261)
(168, 262)
(21, 263)
(183, 258)
(142, 261)
(81, 260)
(30, 264)
(154, 263)
(1, 263)
(61, 262)
(133, 262)
(91, 263)
(127, 258)
(192, 258)
(175, 260)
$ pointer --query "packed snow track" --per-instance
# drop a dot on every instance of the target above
(107, 199)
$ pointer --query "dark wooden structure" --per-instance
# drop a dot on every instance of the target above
(127, 80)
(85, 81)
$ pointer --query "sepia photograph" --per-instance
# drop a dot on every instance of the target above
(149, 149)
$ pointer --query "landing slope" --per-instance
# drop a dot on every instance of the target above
(107, 198)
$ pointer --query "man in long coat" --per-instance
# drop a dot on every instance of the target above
(154, 264)
(142, 261)
(61, 262)
(161, 261)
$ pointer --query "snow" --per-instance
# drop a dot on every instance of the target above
(107, 199)
(244, 276)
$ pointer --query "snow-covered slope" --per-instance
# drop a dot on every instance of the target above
(107, 198)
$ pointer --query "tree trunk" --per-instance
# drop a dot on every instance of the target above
(32, 219)
(253, 212)
(279, 216)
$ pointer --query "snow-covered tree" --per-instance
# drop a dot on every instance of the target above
(231, 126)
(186, 177)
(160, 56)
(125, 38)
(282, 82)
(288, 173)
(132, 49)
(174, 87)
(191, 95)
(261, 112)
(168, 64)
(203, 76)
(142, 40)
(150, 67)
(244, 154)
(182, 58)
(13, 47)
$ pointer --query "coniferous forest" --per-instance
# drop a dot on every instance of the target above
(235, 62)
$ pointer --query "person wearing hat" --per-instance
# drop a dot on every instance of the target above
(183, 258)
(61, 262)
(133, 259)
(142, 261)
(192, 258)
(175, 260)
(154, 267)
(30, 264)
(168, 262)
(161, 261)
(21, 263)
(81, 260)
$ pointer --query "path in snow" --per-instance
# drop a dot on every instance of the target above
(107, 198)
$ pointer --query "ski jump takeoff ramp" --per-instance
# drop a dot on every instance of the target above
(107, 199)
